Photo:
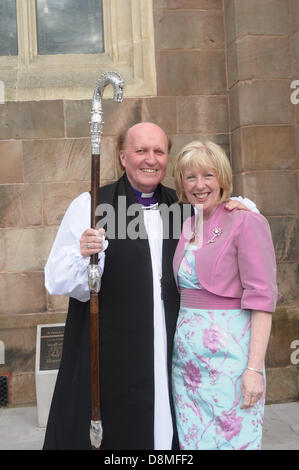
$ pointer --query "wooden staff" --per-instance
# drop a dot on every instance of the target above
(96, 130)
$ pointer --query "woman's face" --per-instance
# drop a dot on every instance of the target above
(202, 187)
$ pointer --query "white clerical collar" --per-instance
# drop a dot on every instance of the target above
(151, 207)
(147, 194)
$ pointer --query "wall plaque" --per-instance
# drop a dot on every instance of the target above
(50, 342)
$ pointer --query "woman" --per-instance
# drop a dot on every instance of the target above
(226, 273)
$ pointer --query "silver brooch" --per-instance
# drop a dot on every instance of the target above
(216, 232)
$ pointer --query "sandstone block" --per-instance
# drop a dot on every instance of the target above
(203, 114)
(282, 384)
(117, 116)
(230, 21)
(260, 102)
(181, 73)
(11, 162)
(267, 17)
(232, 57)
(31, 120)
(66, 160)
(204, 31)
(109, 158)
(57, 197)
(288, 281)
(262, 188)
(56, 160)
(295, 14)
(285, 235)
(285, 329)
(234, 108)
(19, 349)
(20, 205)
(57, 303)
(161, 111)
(168, 181)
(22, 293)
(264, 147)
(23, 388)
(259, 57)
(296, 50)
(120, 116)
(77, 117)
(30, 320)
(25, 249)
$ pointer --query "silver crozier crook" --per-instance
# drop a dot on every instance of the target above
(96, 130)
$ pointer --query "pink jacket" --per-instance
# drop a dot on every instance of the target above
(240, 263)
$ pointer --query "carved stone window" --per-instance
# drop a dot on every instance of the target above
(127, 39)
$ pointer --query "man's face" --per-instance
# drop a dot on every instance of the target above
(144, 156)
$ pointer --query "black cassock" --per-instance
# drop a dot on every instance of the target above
(126, 344)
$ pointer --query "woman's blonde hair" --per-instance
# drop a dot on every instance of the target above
(207, 156)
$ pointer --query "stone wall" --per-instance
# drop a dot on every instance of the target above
(222, 73)
(262, 61)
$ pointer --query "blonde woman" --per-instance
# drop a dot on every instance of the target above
(227, 284)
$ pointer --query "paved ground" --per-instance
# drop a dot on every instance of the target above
(19, 429)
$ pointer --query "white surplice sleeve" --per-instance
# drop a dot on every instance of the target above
(66, 270)
(247, 202)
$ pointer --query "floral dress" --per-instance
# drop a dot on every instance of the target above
(210, 355)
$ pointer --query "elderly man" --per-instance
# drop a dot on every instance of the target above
(138, 302)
